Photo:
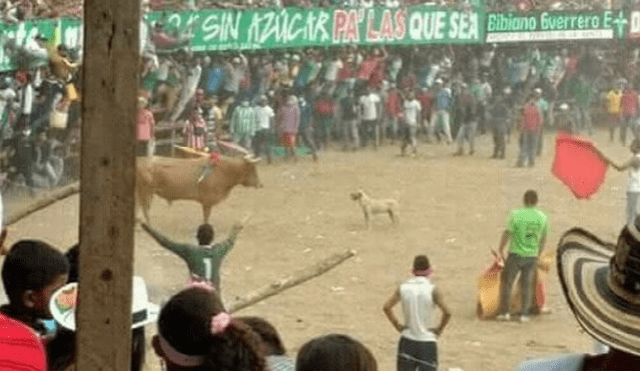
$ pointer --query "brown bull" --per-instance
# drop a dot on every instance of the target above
(177, 179)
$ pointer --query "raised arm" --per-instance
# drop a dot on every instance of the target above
(610, 161)
(634, 162)
(225, 246)
(177, 248)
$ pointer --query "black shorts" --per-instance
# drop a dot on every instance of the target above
(417, 355)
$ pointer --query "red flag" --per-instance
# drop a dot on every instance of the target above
(578, 165)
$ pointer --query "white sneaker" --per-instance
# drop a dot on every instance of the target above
(525, 319)
(503, 317)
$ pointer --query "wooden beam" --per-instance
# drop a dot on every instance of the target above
(290, 281)
(107, 176)
(42, 202)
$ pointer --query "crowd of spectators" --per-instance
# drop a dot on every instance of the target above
(355, 96)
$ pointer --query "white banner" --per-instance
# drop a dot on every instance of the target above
(504, 37)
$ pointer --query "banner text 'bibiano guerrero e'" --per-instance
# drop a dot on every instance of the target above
(556, 26)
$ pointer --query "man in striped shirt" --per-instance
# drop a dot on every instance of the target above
(244, 123)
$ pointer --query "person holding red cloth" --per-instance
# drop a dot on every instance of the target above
(629, 114)
(530, 126)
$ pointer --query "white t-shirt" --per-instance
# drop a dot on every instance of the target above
(163, 71)
(416, 295)
(6, 95)
(264, 115)
(27, 103)
(412, 112)
(368, 104)
(333, 68)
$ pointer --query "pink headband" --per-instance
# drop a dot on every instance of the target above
(220, 322)
(176, 357)
(423, 272)
(196, 283)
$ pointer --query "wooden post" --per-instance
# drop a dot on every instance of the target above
(107, 175)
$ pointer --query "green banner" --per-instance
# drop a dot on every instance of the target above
(213, 30)
(556, 26)
(294, 27)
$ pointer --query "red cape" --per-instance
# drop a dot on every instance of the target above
(578, 165)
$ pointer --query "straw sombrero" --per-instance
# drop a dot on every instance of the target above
(601, 282)
(64, 302)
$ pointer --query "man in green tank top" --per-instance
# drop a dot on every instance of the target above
(527, 233)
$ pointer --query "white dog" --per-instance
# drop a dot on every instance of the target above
(371, 206)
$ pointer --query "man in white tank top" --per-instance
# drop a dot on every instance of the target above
(417, 349)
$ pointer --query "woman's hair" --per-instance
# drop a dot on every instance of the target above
(335, 352)
(268, 334)
(185, 323)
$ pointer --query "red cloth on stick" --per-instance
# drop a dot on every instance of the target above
(578, 165)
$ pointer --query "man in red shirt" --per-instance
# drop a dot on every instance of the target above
(629, 114)
(425, 97)
(530, 126)
(392, 110)
(145, 129)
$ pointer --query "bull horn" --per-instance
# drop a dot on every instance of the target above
(250, 158)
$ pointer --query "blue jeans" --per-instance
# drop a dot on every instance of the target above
(584, 118)
(527, 268)
(528, 148)
(467, 132)
(417, 355)
(627, 122)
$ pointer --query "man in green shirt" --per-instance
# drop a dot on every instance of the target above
(583, 95)
(527, 233)
(204, 260)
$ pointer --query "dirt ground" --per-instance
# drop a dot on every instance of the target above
(452, 208)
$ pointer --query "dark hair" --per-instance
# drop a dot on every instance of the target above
(335, 352)
(268, 334)
(138, 350)
(530, 198)
(205, 234)
(421, 263)
(185, 323)
(31, 265)
(73, 257)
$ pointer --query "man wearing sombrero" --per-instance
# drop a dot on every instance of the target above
(601, 282)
